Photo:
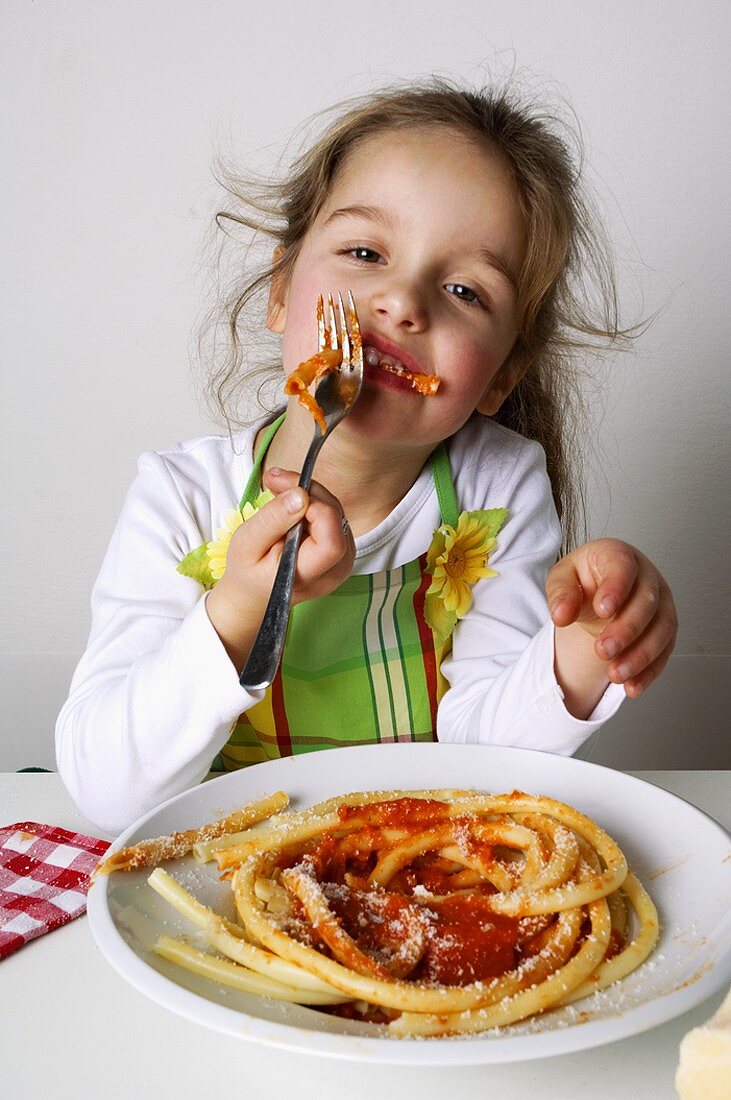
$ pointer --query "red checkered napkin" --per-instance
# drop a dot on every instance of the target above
(44, 878)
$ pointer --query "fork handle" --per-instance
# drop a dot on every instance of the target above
(266, 652)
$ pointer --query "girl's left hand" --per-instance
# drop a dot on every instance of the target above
(618, 597)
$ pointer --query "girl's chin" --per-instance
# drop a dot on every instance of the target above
(386, 420)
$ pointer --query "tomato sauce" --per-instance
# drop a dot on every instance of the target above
(312, 370)
(417, 927)
(461, 939)
(470, 943)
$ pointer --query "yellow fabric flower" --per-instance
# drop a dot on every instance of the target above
(457, 559)
(217, 549)
(207, 563)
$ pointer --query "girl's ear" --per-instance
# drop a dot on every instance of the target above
(277, 307)
(503, 384)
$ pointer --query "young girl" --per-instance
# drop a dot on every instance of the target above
(427, 601)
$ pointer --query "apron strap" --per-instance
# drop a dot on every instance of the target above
(438, 460)
(444, 485)
(253, 485)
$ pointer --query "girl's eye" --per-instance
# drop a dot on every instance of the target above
(464, 293)
(360, 252)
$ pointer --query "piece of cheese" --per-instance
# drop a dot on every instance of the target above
(704, 1070)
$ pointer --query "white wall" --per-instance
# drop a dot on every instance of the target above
(117, 112)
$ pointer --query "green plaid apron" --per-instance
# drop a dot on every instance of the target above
(359, 667)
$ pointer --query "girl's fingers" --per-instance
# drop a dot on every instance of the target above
(592, 582)
(270, 524)
(614, 567)
(643, 650)
(279, 481)
(327, 550)
(646, 604)
(564, 592)
(637, 684)
(327, 544)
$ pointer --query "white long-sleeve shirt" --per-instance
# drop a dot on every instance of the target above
(155, 695)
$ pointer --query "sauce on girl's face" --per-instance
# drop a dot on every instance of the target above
(425, 228)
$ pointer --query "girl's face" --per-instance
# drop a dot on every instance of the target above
(425, 228)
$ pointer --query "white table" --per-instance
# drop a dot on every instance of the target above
(70, 1026)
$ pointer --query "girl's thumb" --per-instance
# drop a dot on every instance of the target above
(294, 501)
(271, 523)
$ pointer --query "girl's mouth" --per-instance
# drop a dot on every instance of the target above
(400, 376)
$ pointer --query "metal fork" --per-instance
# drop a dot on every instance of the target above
(336, 394)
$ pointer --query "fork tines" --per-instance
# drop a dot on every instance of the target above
(346, 338)
(331, 334)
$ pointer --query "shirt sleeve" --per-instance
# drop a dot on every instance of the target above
(155, 694)
(503, 688)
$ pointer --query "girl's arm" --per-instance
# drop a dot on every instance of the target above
(502, 670)
(155, 693)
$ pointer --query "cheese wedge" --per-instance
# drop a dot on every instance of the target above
(704, 1070)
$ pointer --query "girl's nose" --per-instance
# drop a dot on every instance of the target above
(403, 303)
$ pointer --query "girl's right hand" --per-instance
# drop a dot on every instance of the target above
(236, 605)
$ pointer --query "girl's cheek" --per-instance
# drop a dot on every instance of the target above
(299, 340)
(300, 336)
(474, 366)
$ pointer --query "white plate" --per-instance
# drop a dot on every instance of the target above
(682, 856)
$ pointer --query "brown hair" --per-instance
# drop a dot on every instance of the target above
(566, 291)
